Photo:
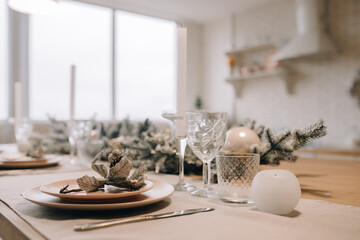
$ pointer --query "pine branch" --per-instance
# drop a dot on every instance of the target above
(313, 132)
(281, 146)
(143, 127)
(260, 130)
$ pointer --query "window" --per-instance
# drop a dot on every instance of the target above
(81, 34)
(78, 34)
(4, 80)
(146, 54)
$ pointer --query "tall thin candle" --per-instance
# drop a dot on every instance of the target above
(18, 101)
(72, 92)
(181, 81)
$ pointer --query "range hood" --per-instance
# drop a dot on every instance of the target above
(311, 39)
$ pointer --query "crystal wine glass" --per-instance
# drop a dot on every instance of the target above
(181, 185)
(205, 136)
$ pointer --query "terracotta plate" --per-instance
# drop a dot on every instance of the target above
(160, 191)
(29, 164)
(54, 188)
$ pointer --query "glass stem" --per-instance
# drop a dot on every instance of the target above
(181, 145)
(206, 174)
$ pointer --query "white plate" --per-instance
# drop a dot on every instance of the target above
(54, 188)
(160, 191)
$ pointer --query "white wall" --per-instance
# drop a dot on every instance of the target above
(321, 87)
(194, 61)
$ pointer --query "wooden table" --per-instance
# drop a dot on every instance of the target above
(341, 179)
(334, 181)
(331, 151)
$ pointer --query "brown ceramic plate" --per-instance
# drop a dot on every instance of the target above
(54, 188)
(29, 164)
(160, 191)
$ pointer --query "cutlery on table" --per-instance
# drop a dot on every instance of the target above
(89, 226)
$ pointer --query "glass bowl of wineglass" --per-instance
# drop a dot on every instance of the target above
(206, 132)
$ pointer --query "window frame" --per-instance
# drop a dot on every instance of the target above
(19, 57)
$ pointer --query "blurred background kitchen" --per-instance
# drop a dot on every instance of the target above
(282, 63)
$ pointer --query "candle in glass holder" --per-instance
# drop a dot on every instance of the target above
(275, 191)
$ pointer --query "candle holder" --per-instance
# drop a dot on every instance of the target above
(181, 185)
(236, 172)
(23, 129)
(72, 132)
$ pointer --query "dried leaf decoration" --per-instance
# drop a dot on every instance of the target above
(122, 167)
(101, 169)
(119, 173)
(89, 184)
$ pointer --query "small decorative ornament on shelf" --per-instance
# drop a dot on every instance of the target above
(255, 62)
(231, 63)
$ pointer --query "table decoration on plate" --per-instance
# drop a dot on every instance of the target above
(121, 186)
(118, 172)
(205, 135)
(105, 193)
(181, 185)
(160, 191)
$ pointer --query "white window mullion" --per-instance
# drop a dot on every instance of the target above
(113, 66)
(19, 60)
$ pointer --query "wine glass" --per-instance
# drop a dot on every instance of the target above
(181, 185)
(205, 135)
(76, 129)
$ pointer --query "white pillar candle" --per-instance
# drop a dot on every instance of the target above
(18, 101)
(72, 92)
(180, 126)
(275, 191)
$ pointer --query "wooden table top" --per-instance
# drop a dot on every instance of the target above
(355, 152)
(335, 181)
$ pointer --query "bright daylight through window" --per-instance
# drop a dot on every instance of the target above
(78, 34)
(146, 62)
(81, 34)
(3, 62)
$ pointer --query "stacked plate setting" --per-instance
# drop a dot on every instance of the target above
(49, 195)
(14, 161)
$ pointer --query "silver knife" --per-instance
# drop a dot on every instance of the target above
(89, 226)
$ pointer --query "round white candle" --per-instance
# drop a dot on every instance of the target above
(275, 191)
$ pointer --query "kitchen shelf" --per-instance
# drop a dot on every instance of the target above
(238, 80)
(249, 49)
(277, 72)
